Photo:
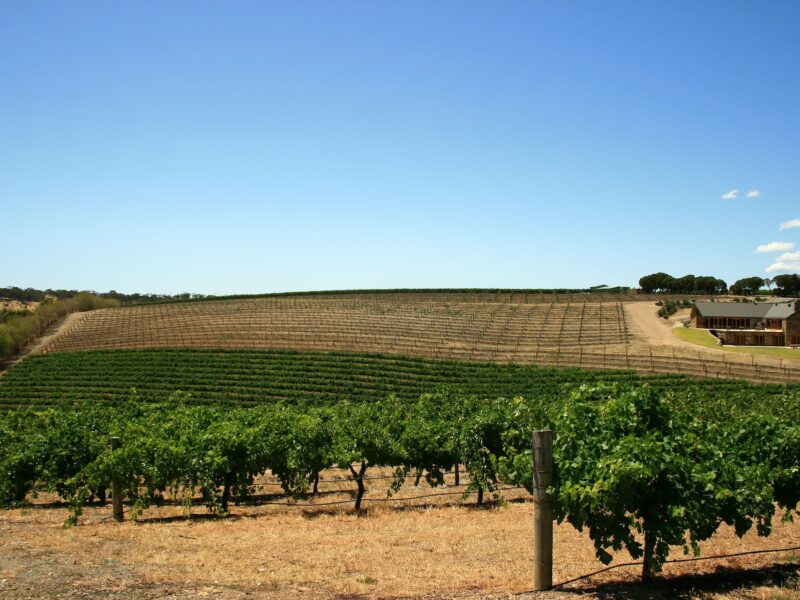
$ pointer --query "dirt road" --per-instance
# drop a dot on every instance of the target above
(273, 552)
(40, 343)
(646, 327)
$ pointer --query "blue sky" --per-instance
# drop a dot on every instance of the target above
(245, 147)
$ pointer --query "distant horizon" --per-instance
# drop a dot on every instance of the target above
(247, 146)
(200, 294)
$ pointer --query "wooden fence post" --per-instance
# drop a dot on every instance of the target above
(542, 510)
(116, 488)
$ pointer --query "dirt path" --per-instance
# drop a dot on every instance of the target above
(40, 343)
(59, 328)
(646, 327)
(434, 552)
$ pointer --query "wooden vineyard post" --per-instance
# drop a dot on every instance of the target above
(116, 488)
(542, 510)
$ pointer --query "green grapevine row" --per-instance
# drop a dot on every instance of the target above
(629, 458)
(254, 378)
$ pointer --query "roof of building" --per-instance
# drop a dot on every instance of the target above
(748, 310)
(782, 310)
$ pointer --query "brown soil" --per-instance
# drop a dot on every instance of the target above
(646, 327)
(420, 326)
(59, 328)
(452, 551)
(573, 333)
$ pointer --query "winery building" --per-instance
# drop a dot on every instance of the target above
(750, 323)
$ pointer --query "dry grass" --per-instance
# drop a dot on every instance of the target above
(433, 550)
(17, 306)
(419, 326)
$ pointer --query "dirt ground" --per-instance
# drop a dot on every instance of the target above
(429, 548)
(54, 331)
(648, 328)
(59, 328)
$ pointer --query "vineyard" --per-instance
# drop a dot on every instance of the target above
(583, 331)
(422, 327)
(354, 402)
(248, 378)
(671, 464)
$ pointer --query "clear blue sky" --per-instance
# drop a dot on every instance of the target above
(243, 147)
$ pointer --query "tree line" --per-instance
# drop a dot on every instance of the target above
(655, 283)
(663, 283)
(35, 295)
(787, 285)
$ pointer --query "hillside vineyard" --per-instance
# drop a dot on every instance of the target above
(252, 378)
(564, 330)
(416, 326)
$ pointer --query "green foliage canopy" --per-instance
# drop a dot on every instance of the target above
(643, 475)
(658, 283)
(640, 468)
(748, 286)
(787, 285)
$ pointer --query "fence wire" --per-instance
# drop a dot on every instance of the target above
(294, 504)
(673, 561)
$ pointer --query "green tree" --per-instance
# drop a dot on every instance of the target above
(747, 286)
(657, 283)
(787, 285)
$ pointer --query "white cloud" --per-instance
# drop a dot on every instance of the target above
(775, 247)
(790, 224)
(730, 195)
(753, 194)
(789, 257)
(780, 266)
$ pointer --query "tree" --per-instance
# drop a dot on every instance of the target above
(748, 286)
(657, 283)
(707, 284)
(663, 283)
(787, 285)
(686, 284)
